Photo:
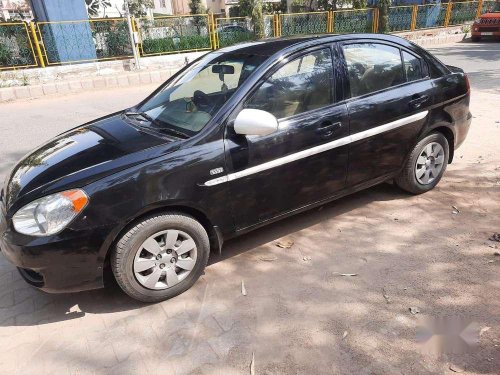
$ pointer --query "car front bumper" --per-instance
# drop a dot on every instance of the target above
(67, 262)
(480, 31)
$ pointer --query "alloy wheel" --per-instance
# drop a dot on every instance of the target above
(429, 164)
(165, 259)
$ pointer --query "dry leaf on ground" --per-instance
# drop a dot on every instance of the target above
(284, 244)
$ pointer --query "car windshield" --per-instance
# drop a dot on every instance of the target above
(185, 105)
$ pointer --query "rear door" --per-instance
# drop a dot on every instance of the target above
(306, 159)
(390, 97)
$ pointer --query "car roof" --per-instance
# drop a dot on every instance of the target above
(271, 46)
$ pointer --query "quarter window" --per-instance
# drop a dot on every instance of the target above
(372, 67)
(301, 85)
(413, 67)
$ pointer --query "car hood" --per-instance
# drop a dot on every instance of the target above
(81, 156)
(491, 15)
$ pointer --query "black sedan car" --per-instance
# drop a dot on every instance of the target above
(243, 136)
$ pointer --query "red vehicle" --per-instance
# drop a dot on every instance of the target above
(488, 24)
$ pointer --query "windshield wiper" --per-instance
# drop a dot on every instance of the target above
(158, 124)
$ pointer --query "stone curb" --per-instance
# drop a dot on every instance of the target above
(434, 41)
(9, 94)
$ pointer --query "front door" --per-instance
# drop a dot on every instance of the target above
(390, 100)
(306, 159)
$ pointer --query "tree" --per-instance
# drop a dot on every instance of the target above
(331, 4)
(258, 19)
(196, 7)
(245, 7)
(139, 8)
(383, 7)
(94, 6)
(359, 4)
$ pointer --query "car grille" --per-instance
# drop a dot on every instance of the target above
(489, 21)
(483, 28)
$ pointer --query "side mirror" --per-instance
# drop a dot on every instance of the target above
(255, 122)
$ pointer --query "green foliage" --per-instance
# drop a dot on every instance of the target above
(93, 6)
(359, 4)
(14, 46)
(228, 39)
(258, 19)
(117, 41)
(196, 7)
(298, 6)
(234, 11)
(245, 7)
(138, 8)
(163, 45)
(270, 8)
(332, 4)
(5, 55)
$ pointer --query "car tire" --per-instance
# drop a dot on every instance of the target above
(476, 38)
(136, 250)
(418, 177)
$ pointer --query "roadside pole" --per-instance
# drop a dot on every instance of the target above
(132, 36)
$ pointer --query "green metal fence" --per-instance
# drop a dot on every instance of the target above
(269, 27)
(487, 6)
(353, 21)
(233, 30)
(86, 40)
(462, 12)
(50, 43)
(400, 18)
(430, 16)
(16, 49)
(172, 34)
(304, 23)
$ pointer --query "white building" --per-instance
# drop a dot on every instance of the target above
(15, 10)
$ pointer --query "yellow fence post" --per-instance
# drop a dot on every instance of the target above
(329, 26)
(277, 28)
(413, 24)
(479, 8)
(37, 44)
(215, 26)
(135, 30)
(375, 20)
(448, 14)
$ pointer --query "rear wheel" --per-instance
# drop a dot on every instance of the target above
(476, 38)
(426, 164)
(160, 257)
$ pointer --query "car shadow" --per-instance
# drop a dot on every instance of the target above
(23, 305)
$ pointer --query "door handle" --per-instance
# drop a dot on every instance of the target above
(417, 101)
(327, 128)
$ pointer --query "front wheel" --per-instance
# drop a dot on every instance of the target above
(426, 164)
(160, 257)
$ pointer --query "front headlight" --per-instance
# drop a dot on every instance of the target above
(50, 214)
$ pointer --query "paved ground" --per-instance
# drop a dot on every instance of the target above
(300, 316)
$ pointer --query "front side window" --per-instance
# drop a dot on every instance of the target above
(186, 104)
(301, 85)
(372, 67)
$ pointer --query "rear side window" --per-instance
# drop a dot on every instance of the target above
(301, 85)
(372, 67)
(413, 67)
